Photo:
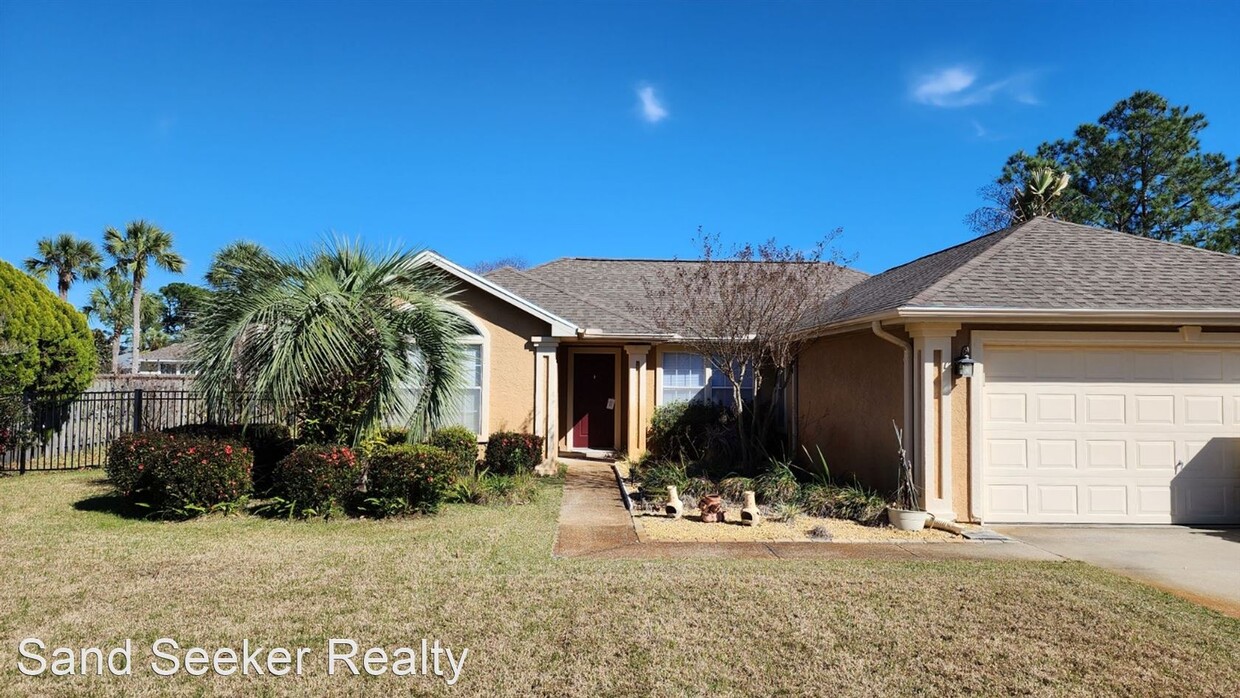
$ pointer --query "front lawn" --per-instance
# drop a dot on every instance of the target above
(482, 578)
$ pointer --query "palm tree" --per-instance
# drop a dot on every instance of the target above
(69, 257)
(141, 244)
(109, 303)
(346, 338)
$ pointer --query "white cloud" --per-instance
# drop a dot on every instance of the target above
(958, 86)
(652, 109)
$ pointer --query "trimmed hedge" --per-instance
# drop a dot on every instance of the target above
(403, 479)
(460, 443)
(179, 476)
(511, 453)
(49, 346)
(316, 480)
(270, 444)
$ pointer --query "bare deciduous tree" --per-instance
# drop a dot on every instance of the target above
(744, 308)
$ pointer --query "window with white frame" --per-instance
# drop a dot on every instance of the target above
(688, 376)
(684, 376)
(471, 403)
(469, 414)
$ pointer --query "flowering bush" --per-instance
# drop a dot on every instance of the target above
(510, 452)
(402, 479)
(180, 476)
(316, 480)
(270, 443)
(460, 443)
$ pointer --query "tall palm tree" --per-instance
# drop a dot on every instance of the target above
(141, 244)
(347, 338)
(68, 256)
(109, 303)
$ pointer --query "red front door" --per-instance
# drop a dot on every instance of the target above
(594, 401)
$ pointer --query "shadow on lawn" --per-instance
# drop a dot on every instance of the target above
(112, 503)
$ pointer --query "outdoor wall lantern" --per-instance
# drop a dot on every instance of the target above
(964, 363)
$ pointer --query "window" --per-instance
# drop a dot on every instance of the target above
(691, 377)
(471, 407)
(721, 387)
(684, 376)
(470, 411)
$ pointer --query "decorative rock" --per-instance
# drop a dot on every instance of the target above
(675, 508)
(749, 514)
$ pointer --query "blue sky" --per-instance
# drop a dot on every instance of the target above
(549, 129)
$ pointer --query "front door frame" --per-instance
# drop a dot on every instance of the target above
(572, 390)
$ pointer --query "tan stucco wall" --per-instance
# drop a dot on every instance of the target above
(849, 389)
(510, 359)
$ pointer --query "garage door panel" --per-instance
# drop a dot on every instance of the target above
(1107, 435)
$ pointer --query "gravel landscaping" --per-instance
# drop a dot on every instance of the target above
(658, 527)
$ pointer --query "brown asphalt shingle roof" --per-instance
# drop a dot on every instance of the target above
(1052, 265)
(611, 294)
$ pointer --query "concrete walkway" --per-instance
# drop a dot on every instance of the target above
(595, 524)
(1199, 564)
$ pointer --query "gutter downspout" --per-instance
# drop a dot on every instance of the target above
(877, 327)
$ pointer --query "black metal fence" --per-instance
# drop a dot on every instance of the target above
(50, 432)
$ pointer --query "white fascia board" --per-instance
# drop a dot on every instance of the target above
(1128, 316)
(559, 326)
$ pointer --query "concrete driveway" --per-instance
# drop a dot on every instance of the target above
(1199, 564)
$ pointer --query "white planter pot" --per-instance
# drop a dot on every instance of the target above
(906, 520)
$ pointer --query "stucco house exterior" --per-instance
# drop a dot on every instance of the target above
(1105, 381)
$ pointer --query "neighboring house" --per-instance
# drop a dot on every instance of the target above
(172, 360)
(1105, 388)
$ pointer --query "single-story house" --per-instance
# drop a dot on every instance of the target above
(1105, 382)
(171, 360)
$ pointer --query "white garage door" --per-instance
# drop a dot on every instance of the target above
(1107, 435)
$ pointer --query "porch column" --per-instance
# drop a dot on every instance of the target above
(635, 443)
(546, 399)
(931, 447)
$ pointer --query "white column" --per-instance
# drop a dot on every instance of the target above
(932, 445)
(635, 443)
(546, 398)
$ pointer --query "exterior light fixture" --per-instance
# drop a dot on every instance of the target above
(964, 363)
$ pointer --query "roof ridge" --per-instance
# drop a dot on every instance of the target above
(580, 297)
(1008, 233)
(1134, 236)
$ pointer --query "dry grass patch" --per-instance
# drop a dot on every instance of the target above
(483, 578)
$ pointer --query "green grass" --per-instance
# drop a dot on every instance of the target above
(75, 573)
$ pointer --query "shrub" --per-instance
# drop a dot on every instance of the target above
(778, 484)
(461, 444)
(656, 478)
(734, 488)
(315, 480)
(131, 458)
(402, 479)
(510, 452)
(48, 346)
(689, 430)
(180, 476)
(270, 444)
(489, 488)
(851, 502)
(387, 436)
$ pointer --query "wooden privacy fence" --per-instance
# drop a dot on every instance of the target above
(51, 432)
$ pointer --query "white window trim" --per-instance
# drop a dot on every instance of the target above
(708, 369)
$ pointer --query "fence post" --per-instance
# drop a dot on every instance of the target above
(137, 410)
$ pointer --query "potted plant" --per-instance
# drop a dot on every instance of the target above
(905, 514)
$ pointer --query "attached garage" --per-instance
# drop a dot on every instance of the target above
(1106, 433)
